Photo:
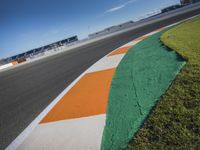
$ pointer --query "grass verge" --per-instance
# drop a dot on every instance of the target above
(174, 123)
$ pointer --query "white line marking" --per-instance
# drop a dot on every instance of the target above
(106, 63)
(132, 43)
(149, 34)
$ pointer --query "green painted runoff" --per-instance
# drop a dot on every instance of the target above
(144, 74)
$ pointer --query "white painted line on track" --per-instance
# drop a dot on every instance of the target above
(106, 63)
(154, 32)
(132, 43)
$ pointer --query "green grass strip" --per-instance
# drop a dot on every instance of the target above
(175, 121)
(144, 74)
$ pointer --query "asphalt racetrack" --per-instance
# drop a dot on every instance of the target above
(27, 90)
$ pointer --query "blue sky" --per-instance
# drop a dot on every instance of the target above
(28, 24)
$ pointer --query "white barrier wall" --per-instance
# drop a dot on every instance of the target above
(6, 66)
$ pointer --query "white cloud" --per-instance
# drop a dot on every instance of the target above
(116, 8)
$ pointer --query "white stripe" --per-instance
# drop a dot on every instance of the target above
(132, 43)
(151, 33)
(106, 63)
(75, 134)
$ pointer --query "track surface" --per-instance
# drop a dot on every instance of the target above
(25, 91)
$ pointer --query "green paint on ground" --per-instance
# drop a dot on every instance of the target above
(144, 74)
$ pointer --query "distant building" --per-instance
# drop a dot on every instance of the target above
(186, 2)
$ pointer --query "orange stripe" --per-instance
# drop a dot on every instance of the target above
(120, 50)
(86, 98)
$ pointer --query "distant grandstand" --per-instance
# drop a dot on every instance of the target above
(182, 3)
(112, 29)
(38, 51)
(170, 8)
